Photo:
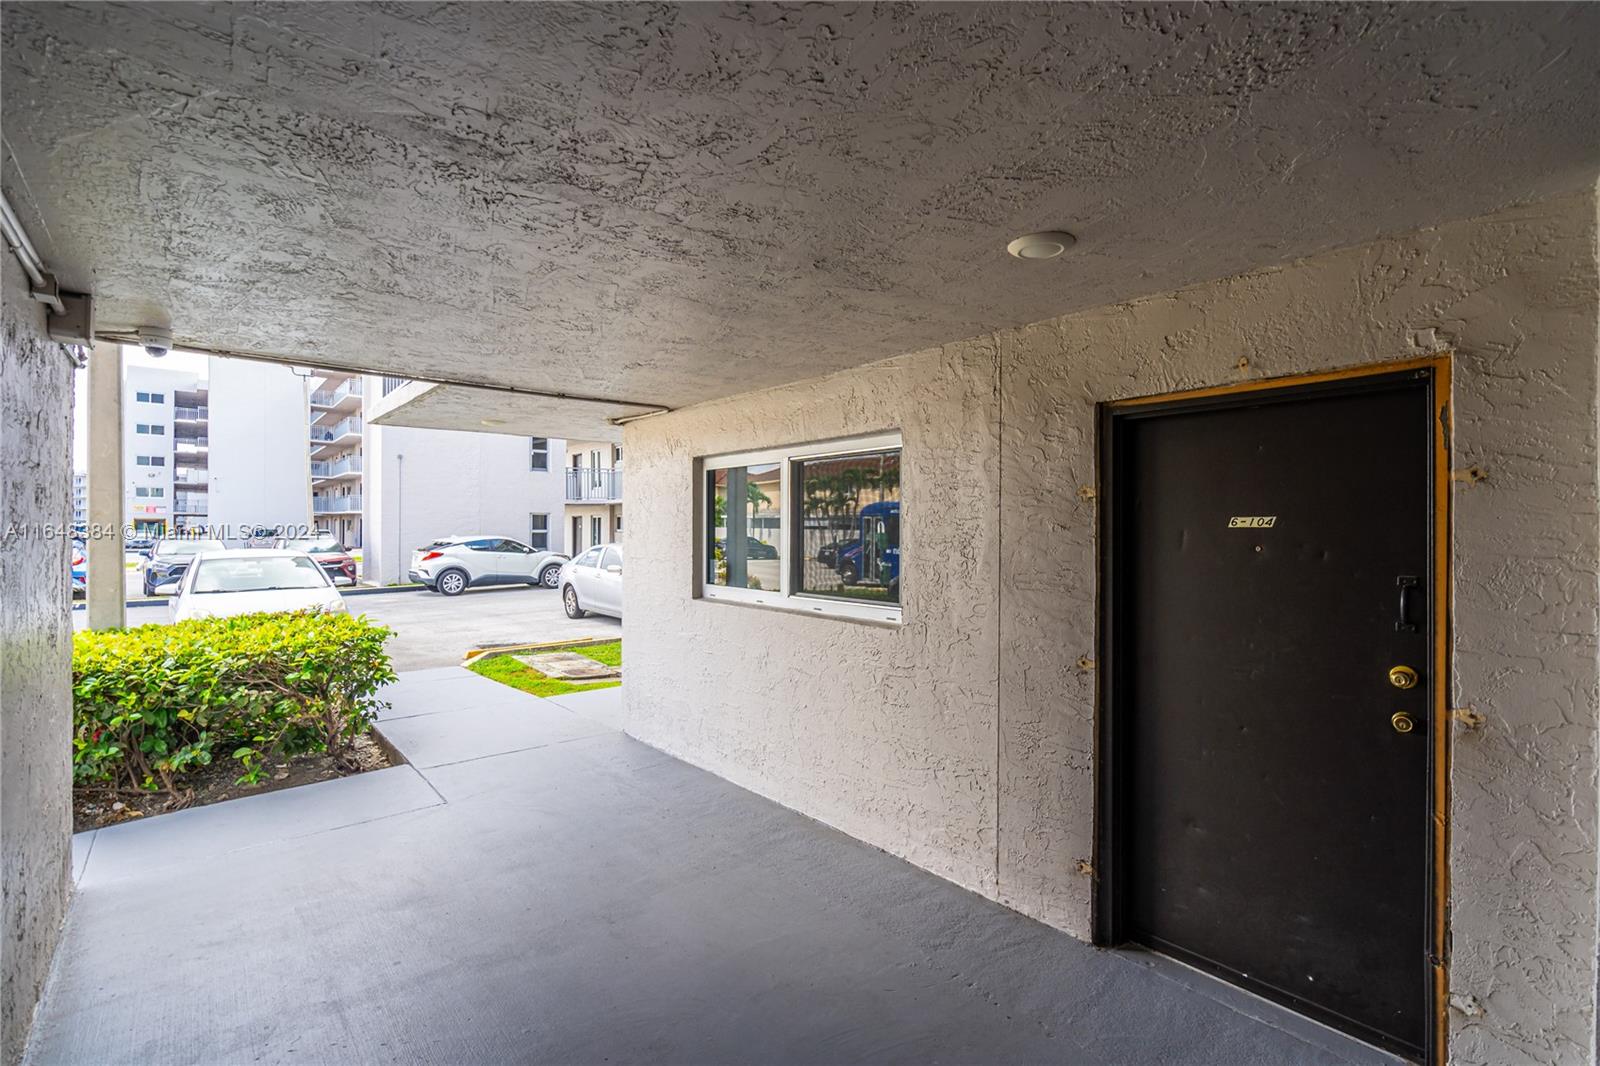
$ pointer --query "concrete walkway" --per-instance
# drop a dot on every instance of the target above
(537, 887)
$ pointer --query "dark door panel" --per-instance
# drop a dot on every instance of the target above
(1270, 822)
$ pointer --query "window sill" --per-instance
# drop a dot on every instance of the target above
(805, 606)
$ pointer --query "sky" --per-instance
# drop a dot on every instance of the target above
(132, 355)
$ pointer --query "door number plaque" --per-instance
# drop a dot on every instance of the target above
(1260, 521)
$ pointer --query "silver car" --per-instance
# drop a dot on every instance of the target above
(592, 583)
(452, 565)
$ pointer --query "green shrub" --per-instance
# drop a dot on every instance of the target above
(152, 702)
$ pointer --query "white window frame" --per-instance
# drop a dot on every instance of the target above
(534, 532)
(785, 598)
(539, 453)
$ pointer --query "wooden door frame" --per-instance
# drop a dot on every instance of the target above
(1106, 891)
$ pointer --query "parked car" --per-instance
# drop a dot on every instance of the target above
(452, 565)
(139, 546)
(248, 580)
(263, 536)
(79, 569)
(754, 549)
(171, 557)
(332, 556)
(592, 583)
(874, 557)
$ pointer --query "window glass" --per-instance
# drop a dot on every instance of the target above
(141, 460)
(746, 526)
(158, 492)
(596, 529)
(539, 532)
(514, 547)
(590, 558)
(258, 574)
(487, 544)
(158, 460)
(160, 431)
(141, 397)
(612, 557)
(140, 427)
(849, 538)
(538, 453)
(141, 491)
(158, 397)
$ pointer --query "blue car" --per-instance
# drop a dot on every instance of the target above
(79, 569)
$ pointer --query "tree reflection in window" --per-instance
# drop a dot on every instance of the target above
(746, 549)
(850, 526)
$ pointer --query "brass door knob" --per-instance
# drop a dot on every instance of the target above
(1402, 677)
(1402, 722)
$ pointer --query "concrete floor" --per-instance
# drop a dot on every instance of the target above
(536, 886)
(434, 630)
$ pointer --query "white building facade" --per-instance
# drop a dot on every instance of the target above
(219, 453)
(423, 484)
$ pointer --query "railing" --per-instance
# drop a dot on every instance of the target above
(336, 504)
(191, 413)
(350, 464)
(323, 434)
(189, 475)
(593, 484)
(187, 446)
(332, 397)
(189, 504)
(392, 383)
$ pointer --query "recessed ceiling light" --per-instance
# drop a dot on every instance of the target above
(1044, 245)
(491, 421)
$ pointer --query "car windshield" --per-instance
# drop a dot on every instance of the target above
(326, 544)
(268, 574)
(188, 547)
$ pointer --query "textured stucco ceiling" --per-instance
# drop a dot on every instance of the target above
(662, 204)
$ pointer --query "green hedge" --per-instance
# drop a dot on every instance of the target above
(153, 702)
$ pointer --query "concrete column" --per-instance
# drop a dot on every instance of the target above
(106, 595)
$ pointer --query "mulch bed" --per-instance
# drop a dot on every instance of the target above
(93, 808)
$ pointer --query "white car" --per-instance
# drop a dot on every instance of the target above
(452, 565)
(592, 583)
(245, 581)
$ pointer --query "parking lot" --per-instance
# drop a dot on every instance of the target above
(433, 630)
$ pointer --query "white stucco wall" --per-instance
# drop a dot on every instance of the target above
(451, 482)
(963, 740)
(259, 461)
(35, 653)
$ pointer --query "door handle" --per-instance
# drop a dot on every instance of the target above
(1403, 623)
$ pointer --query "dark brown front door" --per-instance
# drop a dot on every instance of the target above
(1266, 804)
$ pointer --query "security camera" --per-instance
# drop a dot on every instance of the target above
(156, 340)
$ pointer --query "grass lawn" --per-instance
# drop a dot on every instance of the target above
(519, 675)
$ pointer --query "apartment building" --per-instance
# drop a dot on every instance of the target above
(216, 452)
(593, 493)
(422, 484)
(335, 417)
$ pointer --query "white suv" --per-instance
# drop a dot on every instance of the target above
(452, 565)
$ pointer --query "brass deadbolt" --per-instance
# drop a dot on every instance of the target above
(1402, 722)
(1402, 677)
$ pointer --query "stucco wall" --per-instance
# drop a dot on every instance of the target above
(963, 740)
(450, 483)
(35, 652)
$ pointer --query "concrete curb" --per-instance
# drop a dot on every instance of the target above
(486, 650)
(356, 591)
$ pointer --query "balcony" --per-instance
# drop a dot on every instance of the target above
(191, 414)
(348, 390)
(189, 505)
(349, 466)
(345, 428)
(594, 484)
(190, 477)
(336, 504)
(192, 449)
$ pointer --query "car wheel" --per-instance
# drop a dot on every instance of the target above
(569, 600)
(452, 582)
(549, 576)
(847, 573)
